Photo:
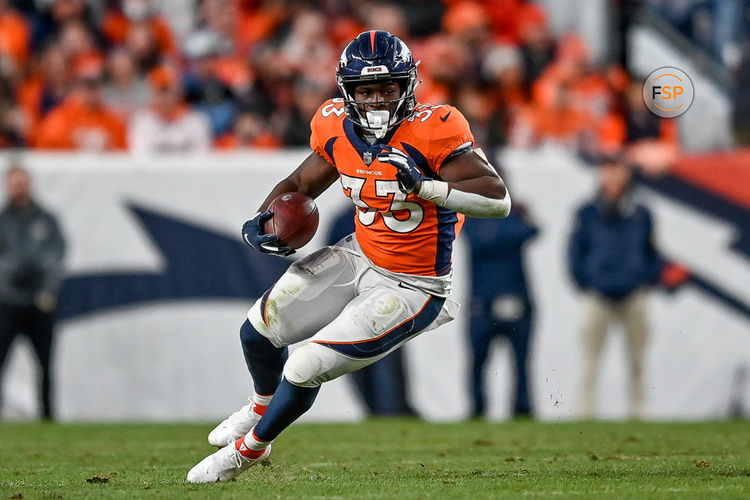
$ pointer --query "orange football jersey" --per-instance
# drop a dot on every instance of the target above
(400, 233)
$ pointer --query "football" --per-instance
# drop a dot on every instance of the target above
(294, 219)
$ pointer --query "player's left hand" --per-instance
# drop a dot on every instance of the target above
(408, 175)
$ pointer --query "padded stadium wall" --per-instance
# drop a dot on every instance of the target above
(158, 283)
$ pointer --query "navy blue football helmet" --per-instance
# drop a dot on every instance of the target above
(377, 56)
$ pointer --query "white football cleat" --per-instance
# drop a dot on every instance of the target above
(234, 427)
(224, 465)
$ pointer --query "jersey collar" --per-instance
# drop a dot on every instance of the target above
(363, 146)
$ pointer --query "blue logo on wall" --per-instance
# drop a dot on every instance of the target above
(716, 206)
(199, 264)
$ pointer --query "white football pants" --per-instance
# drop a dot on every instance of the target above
(349, 314)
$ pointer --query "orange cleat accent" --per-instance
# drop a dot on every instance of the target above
(245, 451)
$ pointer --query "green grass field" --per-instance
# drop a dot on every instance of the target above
(387, 458)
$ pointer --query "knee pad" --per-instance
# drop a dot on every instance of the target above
(310, 365)
(381, 311)
(256, 318)
(269, 315)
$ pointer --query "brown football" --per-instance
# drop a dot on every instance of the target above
(294, 219)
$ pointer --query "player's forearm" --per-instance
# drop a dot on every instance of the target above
(484, 203)
(286, 186)
(312, 177)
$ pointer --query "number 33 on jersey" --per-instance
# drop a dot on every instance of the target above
(398, 232)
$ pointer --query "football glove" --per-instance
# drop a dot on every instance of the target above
(408, 174)
(252, 234)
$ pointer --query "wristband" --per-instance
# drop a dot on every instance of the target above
(434, 191)
(471, 204)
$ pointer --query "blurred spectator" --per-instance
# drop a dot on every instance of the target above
(469, 23)
(537, 44)
(30, 274)
(307, 97)
(570, 101)
(125, 90)
(118, 22)
(382, 384)
(77, 42)
(14, 54)
(259, 21)
(345, 24)
(144, 47)
(446, 65)
(613, 261)
(82, 121)
(501, 306)
(640, 123)
(307, 50)
(386, 16)
(423, 17)
(220, 18)
(573, 67)
(503, 68)
(11, 118)
(54, 15)
(652, 142)
(47, 86)
(503, 71)
(504, 17)
(250, 131)
(481, 110)
(169, 124)
(15, 35)
(649, 142)
(526, 86)
(552, 117)
(204, 87)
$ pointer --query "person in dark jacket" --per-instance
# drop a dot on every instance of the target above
(613, 261)
(501, 303)
(31, 253)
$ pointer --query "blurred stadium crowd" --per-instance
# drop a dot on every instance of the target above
(181, 75)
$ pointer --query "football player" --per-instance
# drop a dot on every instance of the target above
(413, 174)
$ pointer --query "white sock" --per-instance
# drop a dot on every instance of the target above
(261, 402)
(252, 441)
(249, 446)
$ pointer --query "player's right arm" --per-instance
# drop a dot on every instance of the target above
(312, 177)
(316, 173)
(468, 184)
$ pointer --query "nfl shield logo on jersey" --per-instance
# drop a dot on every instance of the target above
(367, 157)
